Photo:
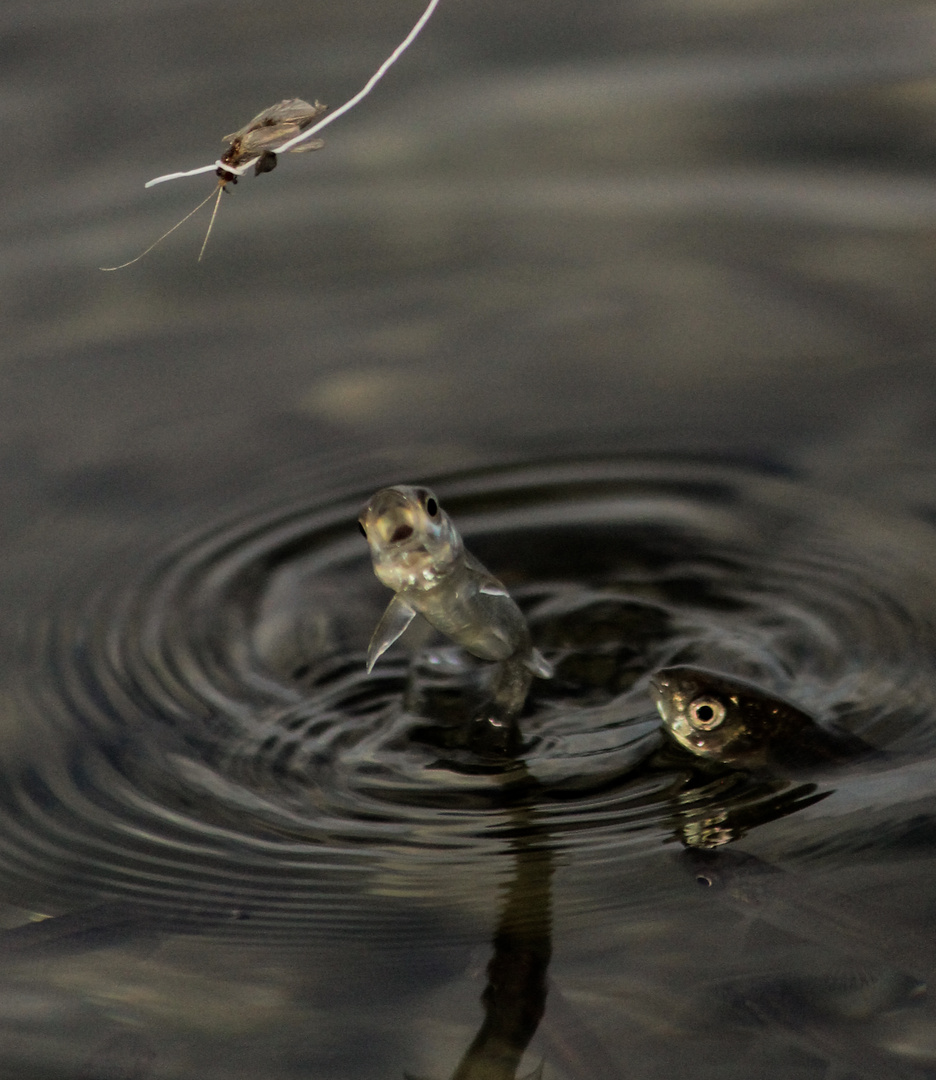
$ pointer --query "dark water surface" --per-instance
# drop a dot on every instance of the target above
(646, 291)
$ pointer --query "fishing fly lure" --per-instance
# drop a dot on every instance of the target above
(288, 127)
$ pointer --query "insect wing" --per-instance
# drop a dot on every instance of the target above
(302, 148)
(293, 112)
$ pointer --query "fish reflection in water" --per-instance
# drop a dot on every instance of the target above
(514, 999)
(518, 984)
(771, 798)
(418, 552)
(735, 722)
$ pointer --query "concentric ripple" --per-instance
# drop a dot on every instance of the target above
(204, 740)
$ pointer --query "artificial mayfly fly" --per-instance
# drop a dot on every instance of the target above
(256, 144)
(284, 128)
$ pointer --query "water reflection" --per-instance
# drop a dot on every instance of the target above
(746, 807)
(515, 996)
(518, 984)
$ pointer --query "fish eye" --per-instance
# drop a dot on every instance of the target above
(432, 507)
(706, 713)
(360, 525)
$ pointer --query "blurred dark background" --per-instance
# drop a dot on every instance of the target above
(691, 226)
(699, 226)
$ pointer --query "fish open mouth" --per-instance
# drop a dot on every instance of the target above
(391, 518)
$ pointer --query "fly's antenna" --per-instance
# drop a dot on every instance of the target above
(210, 196)
(214, 214)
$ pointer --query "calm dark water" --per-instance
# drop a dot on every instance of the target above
(646, 292)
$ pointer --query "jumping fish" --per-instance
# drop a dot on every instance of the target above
(735, 722)
(418, 552)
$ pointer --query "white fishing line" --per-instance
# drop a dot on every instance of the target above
(370, 84)
(340, 111)
(177, 175)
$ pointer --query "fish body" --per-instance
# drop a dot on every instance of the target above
(268, 131)
(418, 552)
(791, 901)
(735, 722)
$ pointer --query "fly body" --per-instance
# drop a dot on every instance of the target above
(256, 143)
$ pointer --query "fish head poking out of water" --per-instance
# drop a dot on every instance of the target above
(735, 722)
(418, 552)
(412, 540)
(703, 711)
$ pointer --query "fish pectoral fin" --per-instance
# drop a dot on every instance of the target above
(392, 624)
(539, 665)
(537, 1073)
